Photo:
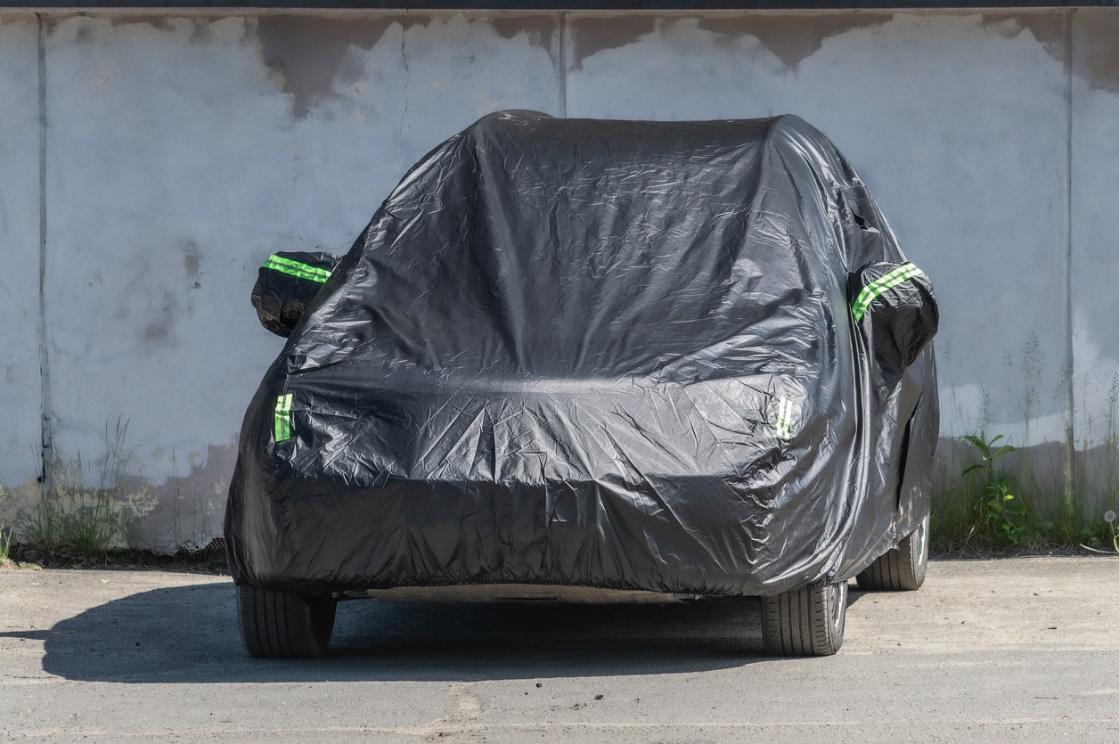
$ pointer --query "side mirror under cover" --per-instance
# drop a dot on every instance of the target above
(897, 301)
(285, 286)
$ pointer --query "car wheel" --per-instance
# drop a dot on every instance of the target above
(902, 568)
(805, 622)
(278, 624)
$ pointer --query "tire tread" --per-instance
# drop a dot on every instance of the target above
(277, 624)
(898, 569)
(799, 622)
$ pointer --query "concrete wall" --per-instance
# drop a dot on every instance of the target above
(180, 151)
(20, 393)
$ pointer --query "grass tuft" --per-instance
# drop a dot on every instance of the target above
(5, 543)
(82, 508)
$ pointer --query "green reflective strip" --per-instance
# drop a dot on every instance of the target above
(281, 424)
(903, 273)
(296, 269)
(784, 421)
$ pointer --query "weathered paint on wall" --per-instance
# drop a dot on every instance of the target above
(1095, 218)
(182, 150)
(20, 395)
(1095, 252)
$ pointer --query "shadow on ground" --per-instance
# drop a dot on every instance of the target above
(189, 634)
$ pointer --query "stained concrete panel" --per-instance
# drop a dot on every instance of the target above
(1095, 213)
(958, 123)
(181, 152)
(20, 433)
(1095, 251)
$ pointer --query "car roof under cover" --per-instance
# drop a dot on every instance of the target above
(530, 246)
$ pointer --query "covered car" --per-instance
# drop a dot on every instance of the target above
(680, 358)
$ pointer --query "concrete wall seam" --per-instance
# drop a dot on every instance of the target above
(1070, 436)
(44, 351)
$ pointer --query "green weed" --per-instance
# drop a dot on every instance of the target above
(1111, 445)
(81, 508)
(1109, 518)
(1000, 515)
(5, 543)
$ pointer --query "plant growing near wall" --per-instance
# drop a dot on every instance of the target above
(71, 513)
(5, 543)
(1111, 444)
(1000, 515)
(81, 507)
(7, 533)
(1109, 517)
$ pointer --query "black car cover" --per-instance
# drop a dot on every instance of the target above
(286, 284)
(683, 357)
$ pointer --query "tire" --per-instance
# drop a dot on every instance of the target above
(902, 568)
(284, 625)
(805, 622)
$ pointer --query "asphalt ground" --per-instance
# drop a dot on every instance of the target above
(1009, 650)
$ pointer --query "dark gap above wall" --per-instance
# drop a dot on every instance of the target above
(551, 4)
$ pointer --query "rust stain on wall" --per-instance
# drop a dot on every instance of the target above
(1096, 47)
(792, 38)
(1048, 27)
(199, 25)
(541, 30)
(160, 23)
(595, 34)
(1094, 39)
(15, 19)
(308, 54)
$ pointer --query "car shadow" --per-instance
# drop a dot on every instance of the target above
(190, 634)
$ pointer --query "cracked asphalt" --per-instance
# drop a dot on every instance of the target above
(988, 651)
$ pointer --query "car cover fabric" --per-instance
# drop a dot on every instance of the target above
(285, 285)
(614, 354)
(906, 316)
